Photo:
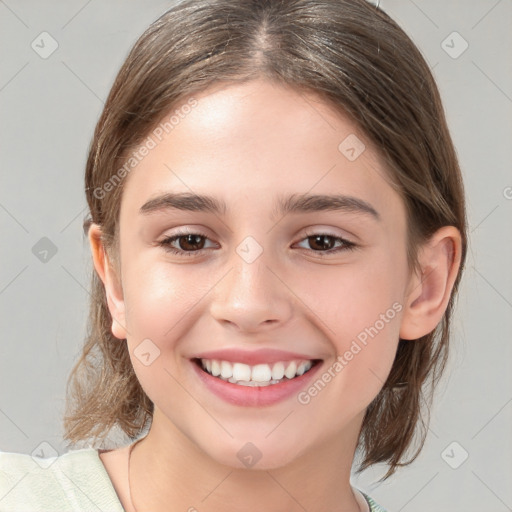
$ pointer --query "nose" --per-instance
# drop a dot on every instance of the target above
(252, 296)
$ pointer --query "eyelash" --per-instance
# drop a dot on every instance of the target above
(166, 244)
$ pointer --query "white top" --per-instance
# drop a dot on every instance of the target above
(76, 481)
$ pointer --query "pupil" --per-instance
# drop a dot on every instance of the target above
(317, 240)
(193, 240)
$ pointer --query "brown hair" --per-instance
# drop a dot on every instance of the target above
(353, 56)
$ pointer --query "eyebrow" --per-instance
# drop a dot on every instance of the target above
(296, 203)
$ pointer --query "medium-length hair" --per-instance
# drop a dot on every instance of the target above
(359, 61)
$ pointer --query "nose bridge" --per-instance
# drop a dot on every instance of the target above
(251, 295)
(247, 280)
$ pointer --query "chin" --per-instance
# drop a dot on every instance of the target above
(256, 454)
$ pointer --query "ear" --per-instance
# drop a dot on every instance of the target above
(428, 295)
(111, 282)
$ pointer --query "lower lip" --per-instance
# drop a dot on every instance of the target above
(258, 396)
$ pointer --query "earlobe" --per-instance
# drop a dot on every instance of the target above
(111, 281)
(428, 294)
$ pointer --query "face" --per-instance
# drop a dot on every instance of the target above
(322, 282)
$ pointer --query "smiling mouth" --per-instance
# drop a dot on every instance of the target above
(256, 375)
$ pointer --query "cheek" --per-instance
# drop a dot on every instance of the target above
(158, 297)
(361, 308)
(160, 302)
(349, 299)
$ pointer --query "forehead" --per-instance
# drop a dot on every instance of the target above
(257, 140)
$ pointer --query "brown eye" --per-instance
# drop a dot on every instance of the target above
(190, 242)
(324, 244)
(321, 242)
(187, 243)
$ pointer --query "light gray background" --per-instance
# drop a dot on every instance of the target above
(49, 107)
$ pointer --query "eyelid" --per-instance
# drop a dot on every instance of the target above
(326, 232)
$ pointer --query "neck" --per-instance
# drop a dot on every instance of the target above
(168, 471)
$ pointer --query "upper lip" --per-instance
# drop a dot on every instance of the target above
(253, 357)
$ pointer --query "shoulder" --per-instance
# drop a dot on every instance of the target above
(76, 480)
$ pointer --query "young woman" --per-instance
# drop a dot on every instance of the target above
(278, 231)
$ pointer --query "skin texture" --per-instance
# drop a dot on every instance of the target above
(248, 144)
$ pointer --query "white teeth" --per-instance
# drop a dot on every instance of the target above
(241, 372)
(278, 371)
(302, 368)
(226, 370)
(215, 368)
(257, 375)
(261, 373)
(291, 370)
(250, 383)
